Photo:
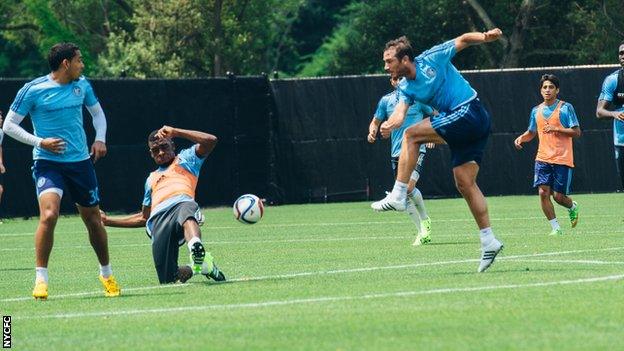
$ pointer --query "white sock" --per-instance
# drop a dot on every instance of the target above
(416, 196)
(192, 241)
(573, 207)
(41, 274)
(413, 214)
(554, 223)
(487, 235)
(106, 271)
(399, 192)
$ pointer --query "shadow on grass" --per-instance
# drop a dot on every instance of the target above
(15, 269)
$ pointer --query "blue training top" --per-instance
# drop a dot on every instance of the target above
(607, 93)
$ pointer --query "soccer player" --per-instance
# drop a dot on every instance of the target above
(415, 206)
(611, 105)
(170, 214)
(555, 123)
(462, 123)
(61, 159)
(2, 169)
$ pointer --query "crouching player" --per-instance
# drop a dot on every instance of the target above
(555, 123)
(170, 214)
(415, 205)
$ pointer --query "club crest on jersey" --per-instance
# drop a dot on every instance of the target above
(77, 91)
(430, 72)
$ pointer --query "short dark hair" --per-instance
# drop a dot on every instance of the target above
(402, 46)
(551, 78)
(60, 52)
(152, 136)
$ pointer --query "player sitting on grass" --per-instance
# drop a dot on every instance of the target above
(555, 123)
(170, 214)
(415, 205)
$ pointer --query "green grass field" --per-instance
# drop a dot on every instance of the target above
(335, 277)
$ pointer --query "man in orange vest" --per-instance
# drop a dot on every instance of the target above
(170, 214)
(555, 123)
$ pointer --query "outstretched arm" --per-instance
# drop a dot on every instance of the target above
(135, 220)
(525, 137)
(205, 142)
(476, 38)
(602, 111)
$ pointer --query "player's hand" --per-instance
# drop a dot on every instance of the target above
(55, 145)
(2, 169)
(550, 129)
(103, 217)
(492, 35)
(518, 143)
(430, 145)
(98, 150)
(618, 116)
(166, 132)
(371, 138)
(385, 130)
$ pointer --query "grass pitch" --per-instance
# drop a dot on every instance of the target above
(335, 277)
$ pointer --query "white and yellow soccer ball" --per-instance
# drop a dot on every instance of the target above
(248, 209)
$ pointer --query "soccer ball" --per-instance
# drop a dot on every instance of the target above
(248, 209)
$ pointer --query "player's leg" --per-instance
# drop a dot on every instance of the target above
(619, 159)
(561, 188)
(415, 196)
(543, 180)
(165, 246)
(420, 133)
(1, 192)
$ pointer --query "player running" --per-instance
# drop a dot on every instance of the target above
(463, 124)
(170, 214)
(555, 123)
(415, 206)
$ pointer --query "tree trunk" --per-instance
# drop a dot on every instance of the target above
(516, 41)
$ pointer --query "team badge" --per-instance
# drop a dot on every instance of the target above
(40, 182)
(77, 91)
(430, 72)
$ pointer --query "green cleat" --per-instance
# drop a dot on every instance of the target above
(556, 232)
(421, 239)
(425, 227)
(574, 214)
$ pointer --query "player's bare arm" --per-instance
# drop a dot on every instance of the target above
(395, 120)
(205, 142)
(475, 38)
(373, 129)
(603, 111)
(135, 220)
(525, 137)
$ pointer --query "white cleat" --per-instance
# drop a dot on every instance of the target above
(389, 204)
(488, 254)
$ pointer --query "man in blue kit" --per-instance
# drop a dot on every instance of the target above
(463, 124)
(416, 205)
(611, 105)
(61, 159)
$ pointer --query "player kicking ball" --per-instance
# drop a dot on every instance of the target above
(170, 214)
(416, 205)
(555, 123)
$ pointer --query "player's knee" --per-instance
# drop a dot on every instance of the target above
(559, 197)
(49, 216)
(463, 184)
(544, 193)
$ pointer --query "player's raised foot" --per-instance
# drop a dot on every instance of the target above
(197, 257)
(421, 239)
(111, 288)
(574, 214)
(211, 271)
(40, 292)
(184, 273)
(389, 203)
(556, 232)
(488, 254)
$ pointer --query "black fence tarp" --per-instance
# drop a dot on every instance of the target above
(295, 141)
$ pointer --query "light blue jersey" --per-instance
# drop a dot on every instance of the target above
(56, 112)
(188, 160)
(438, 83)
(415, 113)
(608, 94)
(567, 115)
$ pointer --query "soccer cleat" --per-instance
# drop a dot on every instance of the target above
(197, 257)
(184, 273)
(111, 288)
(389, 204)
(488, 254)
(210, 270)
(573, 213)
(425, 227)
(422, 239)
(556, 232)
(40, 292)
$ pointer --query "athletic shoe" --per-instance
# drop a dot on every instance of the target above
(574, 214)
(184, 273)
(421, 239)
(197, 256)
(488, 254)
(210, 270)
(389, 204)
(556, 232)
(425, 226)
(40, 292)
(111, 288)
